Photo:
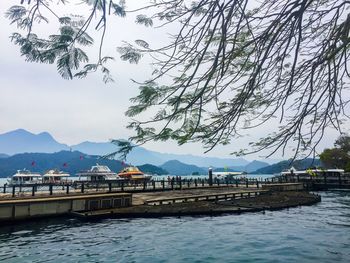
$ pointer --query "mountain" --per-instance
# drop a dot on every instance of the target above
(71, 162)
(175, 167)
(255, 165)
(140, 155)
(152, 169)
(21, 141)
(297, 164)
(250, 167)
(2, 155)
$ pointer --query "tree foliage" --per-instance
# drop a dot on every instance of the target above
(232, 65)
(338, 157)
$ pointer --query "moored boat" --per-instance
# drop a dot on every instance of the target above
(25, 177)
(99, 173)
(55, 176)
(228, 176)
(312, 172)
(133, 173)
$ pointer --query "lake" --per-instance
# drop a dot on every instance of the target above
(318, 233)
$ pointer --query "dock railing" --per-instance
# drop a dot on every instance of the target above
(78, 187)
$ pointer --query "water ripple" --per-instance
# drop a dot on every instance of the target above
(306, 234)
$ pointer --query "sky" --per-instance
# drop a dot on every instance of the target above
(34, 97)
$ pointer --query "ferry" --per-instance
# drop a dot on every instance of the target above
(228, 176)
(99, 173)
(133, 173)
(313, 172)
(25, 177)
(55, 176)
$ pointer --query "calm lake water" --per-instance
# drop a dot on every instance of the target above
(318, 233)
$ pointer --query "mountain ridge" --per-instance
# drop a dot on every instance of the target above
(21, 140)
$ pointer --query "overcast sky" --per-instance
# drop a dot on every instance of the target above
(34, 97)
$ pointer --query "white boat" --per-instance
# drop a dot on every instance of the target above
(224, 176)
(55, 176)
(292, 172)
(99, 173)
(25, 177)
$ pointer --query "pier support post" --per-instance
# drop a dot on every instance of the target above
(122, 187)
(195, 182)
(247, 182)
(33, 190)
(210, 176)
(339, 179)
(163, 184)
(236, 182)
(50, 189)
(257, 183)
(109, 187)
(67, 189)
(5, 188)
(144, 185)
(13, 191)
(82, 187)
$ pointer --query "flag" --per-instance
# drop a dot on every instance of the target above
(123, 163)
(81, 157)
(33, 163)
(65, 165)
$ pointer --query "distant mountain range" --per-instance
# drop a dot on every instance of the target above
(22, 141)
(2, 155)
(175, 167)
(71, 162)
(281, 166)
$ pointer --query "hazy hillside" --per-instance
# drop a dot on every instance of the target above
(175, 167)
(152, 169)
(2, 155)
(255, 165)
(140, 155)
(71, 162)
(298, 164)
(21, 141)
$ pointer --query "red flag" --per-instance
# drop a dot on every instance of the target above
(65, 165)
(33, 163)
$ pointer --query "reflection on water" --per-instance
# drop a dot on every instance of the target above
(306, 234)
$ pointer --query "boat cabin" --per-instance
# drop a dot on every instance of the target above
(99, 173)
(25, 177)
(55, 176)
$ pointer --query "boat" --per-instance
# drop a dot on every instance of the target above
(228, 176)
(99, 173)
(25, 177)
(133, 173)
(55, 176)
(312, 172)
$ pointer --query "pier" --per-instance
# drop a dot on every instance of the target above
(153, 198)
